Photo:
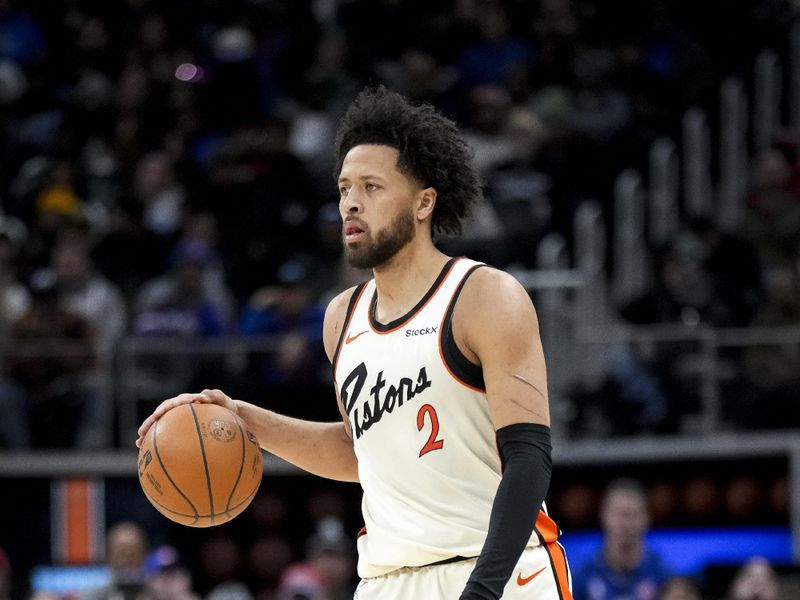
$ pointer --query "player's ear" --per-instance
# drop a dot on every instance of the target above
(425, 203)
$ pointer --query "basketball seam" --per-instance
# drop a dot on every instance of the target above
(241, 467)
(198, 516)
(164, 469)
(205, 463)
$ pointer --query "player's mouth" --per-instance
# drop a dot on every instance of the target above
(353, 232)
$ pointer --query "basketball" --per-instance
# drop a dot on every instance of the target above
(199, 465)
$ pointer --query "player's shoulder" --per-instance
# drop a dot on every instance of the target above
(339, 303)
(492, 303)
(488, 286)
(335, 315)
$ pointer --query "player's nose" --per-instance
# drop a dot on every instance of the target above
(351, 203)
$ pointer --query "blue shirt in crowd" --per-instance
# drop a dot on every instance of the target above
(597, 580)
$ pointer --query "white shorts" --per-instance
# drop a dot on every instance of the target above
(541, 573)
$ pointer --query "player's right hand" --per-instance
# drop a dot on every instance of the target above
(206, 396)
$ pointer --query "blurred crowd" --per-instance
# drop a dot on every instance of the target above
(262, 560)
(166, 171)
(263, 556)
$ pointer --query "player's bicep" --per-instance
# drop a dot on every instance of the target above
(503, 333)
(333, 323)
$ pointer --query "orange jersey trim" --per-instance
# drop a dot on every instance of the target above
(558, 560)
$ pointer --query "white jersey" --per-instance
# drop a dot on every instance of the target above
(427, 453)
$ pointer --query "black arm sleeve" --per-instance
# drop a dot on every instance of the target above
(525, 452)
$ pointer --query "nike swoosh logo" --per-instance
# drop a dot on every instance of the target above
(355, 337)
(523, 580)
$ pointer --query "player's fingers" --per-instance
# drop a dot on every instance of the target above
(219, 397)
(164, 407)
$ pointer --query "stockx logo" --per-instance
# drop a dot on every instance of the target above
(422, 331)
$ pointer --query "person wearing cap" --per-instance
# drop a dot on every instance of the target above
(168, 578)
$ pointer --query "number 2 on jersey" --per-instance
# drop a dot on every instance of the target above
(432, 443)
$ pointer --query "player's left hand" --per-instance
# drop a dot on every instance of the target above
(206, 396)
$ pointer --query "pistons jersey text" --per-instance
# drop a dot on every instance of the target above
(427, 455)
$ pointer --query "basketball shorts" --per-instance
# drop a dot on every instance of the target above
(540, 574)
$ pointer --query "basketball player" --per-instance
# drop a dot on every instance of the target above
(440, 379)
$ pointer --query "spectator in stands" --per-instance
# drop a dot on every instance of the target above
(625, 567)
(498, 57)
(487, 126)
(268, 557)
(772, 222)
(180, 302)
(327, 89)
(162, 195)
(291, 311)
(419, 76)
(89, 295)
(182, 305)
(331, 553)
(14, 296)
(679, 588)
(52, 377)
(58, 209)
(168, 578)
(21, 37)
(82, 290)
(772, 370)
(220, 558)
(264, 202)
(201, 235)
(128, 253)
(126, 552)
(601, 112)
(733, 266)
(685, 293)
(301, 582)
(518, 191)
(755, 580)
(15, 301)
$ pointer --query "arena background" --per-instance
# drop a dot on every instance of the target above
(169, 223)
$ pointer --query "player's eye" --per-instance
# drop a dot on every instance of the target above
(343, 191)
(371, 187)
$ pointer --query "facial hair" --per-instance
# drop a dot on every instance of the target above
(388, 242)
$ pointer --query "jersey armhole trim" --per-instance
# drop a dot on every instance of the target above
(347, 317)
(459, 366)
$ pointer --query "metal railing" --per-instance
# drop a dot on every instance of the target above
(577, 327)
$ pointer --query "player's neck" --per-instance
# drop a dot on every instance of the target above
(406, 278)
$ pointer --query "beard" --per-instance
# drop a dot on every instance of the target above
(388, 242)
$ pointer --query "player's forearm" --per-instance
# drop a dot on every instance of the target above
(525, 448)
(323, 449)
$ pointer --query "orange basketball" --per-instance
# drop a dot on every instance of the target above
(199, 465)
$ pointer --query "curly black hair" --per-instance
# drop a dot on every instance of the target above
(432, 150)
